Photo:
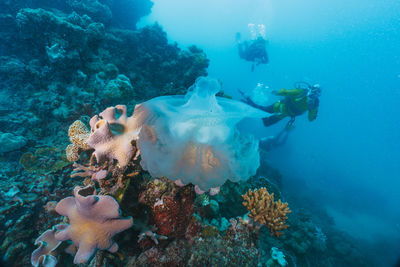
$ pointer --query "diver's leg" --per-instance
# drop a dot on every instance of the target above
(269, 109)
(243, 47)
(241, 50)
(279, 135)
(248, 101)
(265, 58)
(282, 137)
(285, 137)
(238, 37)
(268, 121)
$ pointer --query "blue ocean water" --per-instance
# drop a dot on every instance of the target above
(340, 174)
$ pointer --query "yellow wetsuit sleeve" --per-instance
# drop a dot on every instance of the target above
(312, 114)
(290, 92)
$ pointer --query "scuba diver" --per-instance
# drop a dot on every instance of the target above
(295, 102)
(254, 51)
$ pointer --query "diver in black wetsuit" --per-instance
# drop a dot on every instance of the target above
(254, 51)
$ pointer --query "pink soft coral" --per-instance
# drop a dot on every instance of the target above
(93, 221)
(112, 137)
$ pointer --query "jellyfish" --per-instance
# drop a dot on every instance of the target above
(193, 138)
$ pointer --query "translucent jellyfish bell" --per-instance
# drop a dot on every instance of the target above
(194, 139)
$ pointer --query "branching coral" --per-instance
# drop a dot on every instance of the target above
(78, 135)
(95, 173)
(112, 134)
(265, 210)
(94, 220)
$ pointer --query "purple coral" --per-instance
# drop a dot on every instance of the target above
(94, 220)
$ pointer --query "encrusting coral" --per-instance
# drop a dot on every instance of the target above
(265, 210)
(78, 135)
(93, 221)
(112, 137)
(172, 206)
(44, 160)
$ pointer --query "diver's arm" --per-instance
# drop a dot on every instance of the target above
(312, 114)
(290, 92)
(251, 103)
(222, 94)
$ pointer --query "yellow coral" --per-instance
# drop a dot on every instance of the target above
(265, 210)
(78, 135)
(72, 152)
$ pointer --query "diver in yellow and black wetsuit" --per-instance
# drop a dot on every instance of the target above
(295, 103)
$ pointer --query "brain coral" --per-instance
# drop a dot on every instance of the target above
(93, 221)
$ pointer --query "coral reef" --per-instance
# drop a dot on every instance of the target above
(265, 210)
(23, 213)
(236, 248)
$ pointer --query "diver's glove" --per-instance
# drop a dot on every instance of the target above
(274, 92)
(312, 102)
